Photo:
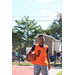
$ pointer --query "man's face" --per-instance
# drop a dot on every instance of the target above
(41, 40)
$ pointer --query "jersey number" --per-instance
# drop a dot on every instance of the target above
(38, 53)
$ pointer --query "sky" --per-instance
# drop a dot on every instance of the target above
(43, 11)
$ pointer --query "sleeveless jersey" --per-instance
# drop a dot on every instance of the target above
(41, 55)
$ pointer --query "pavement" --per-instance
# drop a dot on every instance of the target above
(55, 70)
(29, 70)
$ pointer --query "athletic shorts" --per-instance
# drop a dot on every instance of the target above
(38, 68)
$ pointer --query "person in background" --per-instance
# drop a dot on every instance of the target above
(58, 57)
(54, 57)
(61, 56)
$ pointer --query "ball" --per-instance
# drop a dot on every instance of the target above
(32, 57)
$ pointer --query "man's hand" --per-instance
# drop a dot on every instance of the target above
(48, 66)
(28, 54)
(48, 61)
(28, 59)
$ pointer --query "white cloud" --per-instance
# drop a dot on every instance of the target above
(25, 5)
(12, 7)
(43, 25)
(60, 11)
(45, 11)
(14, 23)
(52, 17)
(40, 1)
(48, 11)
(30, 0)
(47, 0)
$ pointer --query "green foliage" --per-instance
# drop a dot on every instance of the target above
(23, 63)
(55, 29)
(17, 35)
(27, 29)
(60, 73)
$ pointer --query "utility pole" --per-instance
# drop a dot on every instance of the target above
(27, 35)
(19, 51)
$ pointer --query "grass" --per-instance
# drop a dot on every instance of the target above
(55, 65)
(30, 64)
(22, 63)
(60, 73)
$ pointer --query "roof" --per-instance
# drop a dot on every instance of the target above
(49, 37)
(13, 50)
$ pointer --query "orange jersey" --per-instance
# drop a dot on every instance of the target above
(41, 55)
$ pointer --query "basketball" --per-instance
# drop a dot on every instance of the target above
(32, 57)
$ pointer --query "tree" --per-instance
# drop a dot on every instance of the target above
(25, 30)
(36, 31)
(16, 35)
(55, 29)
(28, 27)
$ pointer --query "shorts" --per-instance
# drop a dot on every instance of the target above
(61, 60)
(54, 59)
(38, 68)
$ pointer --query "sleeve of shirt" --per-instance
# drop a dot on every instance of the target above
(33, 48)
(47, 50)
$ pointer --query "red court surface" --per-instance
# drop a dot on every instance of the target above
(23, 70)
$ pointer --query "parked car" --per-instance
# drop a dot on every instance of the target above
(22, 57)
(14, 57)
(51, 58)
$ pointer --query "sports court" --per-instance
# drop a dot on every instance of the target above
(23, 70)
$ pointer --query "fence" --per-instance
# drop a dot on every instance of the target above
(20, 46)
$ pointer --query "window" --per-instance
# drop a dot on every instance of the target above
(13, 53)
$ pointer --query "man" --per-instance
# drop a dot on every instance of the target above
(42, 57)
(58, 57)
(54, 57)
(61, 56)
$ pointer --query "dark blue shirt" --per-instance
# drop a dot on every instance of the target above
(33, 48)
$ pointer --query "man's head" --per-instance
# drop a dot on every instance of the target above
(41, 39)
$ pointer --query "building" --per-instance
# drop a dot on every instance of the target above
(53, 44)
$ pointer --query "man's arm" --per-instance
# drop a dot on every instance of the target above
(33, 48)
(48, 59)
(28, 54)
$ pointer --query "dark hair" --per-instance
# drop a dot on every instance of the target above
(40, 36)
